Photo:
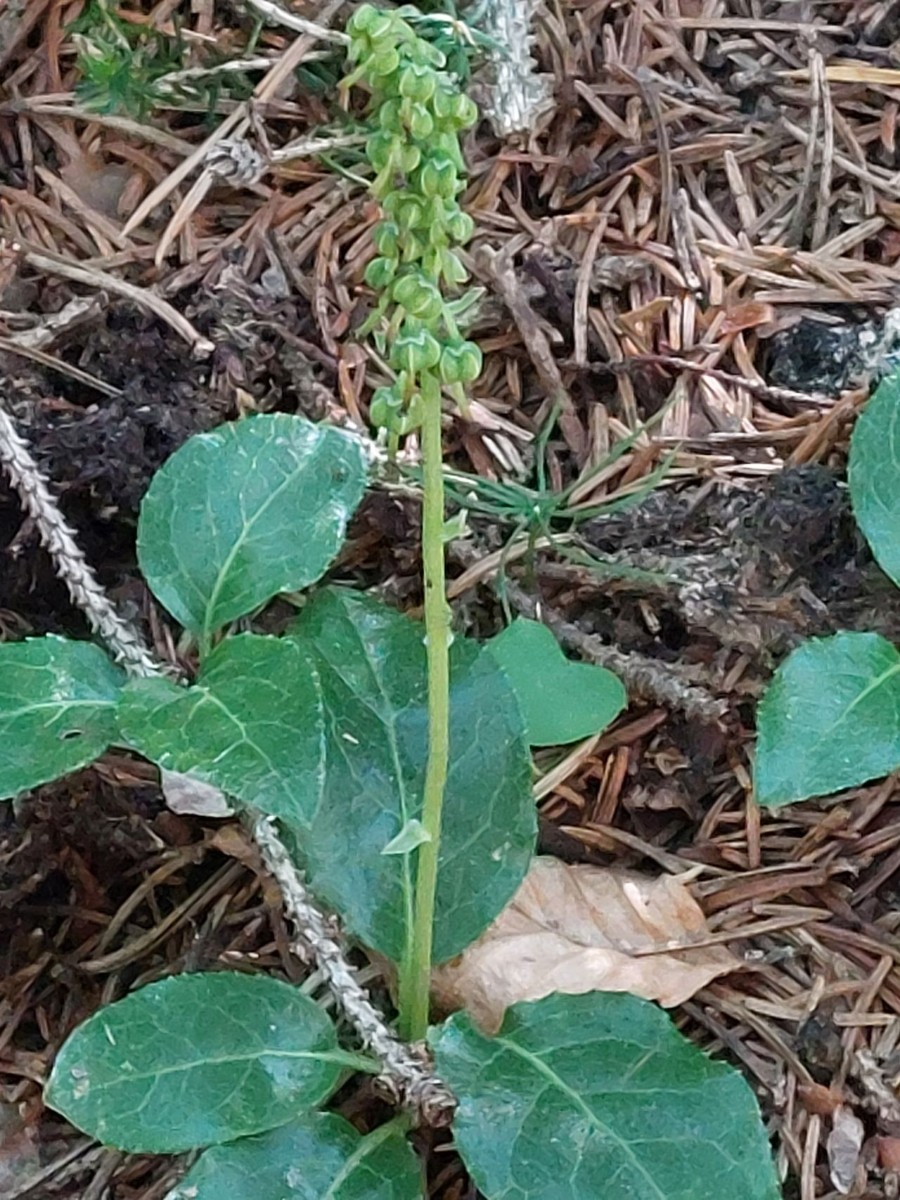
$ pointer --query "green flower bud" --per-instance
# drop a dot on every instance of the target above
(453, 110)
(412, 415)
(419, 122)
(438, 177)
(432, 260)
(464, 112)
(385, 238)
(362, 20)
(384, 61)
(358, 49)
(392, 204)
(415, 350)
(384, 407)
(418, 296)
(380, 273)
(409, 159)
(452, 270)
(417, 83)
(435, 213)
(442, 102)
(460, 363)
(413, 248)
(410, 214)
(382, 150)
(460, 226)
(390, 118)
(448, 143)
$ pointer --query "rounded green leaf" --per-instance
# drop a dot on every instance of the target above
(252, 724)
(371, 662)
(874, 475)
(252, 509)
(319, 1157)
(830, 719)
(195, 1060)
(562, 700)
(580, 1097)
(58, 703)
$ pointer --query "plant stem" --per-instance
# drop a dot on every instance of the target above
(415, 977)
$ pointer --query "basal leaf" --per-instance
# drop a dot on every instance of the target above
(57, 709)
(251, 725)
(561, 700)
(252, 509)
(830, 718)
(579, 1097)
(874, 475)
(319, 1157)
(196, 1060)
(371, 662)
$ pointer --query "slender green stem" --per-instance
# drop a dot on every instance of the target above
(415, 976)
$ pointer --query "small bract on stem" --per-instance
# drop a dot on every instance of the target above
(418, 113)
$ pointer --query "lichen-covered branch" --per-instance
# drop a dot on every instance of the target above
(513, 95)
(123, 642)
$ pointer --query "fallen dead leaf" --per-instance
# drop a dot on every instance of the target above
(189, 796)
(575, 929)
(816, 1098)
(843, 1147)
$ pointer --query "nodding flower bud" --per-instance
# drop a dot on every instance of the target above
(369, 22)
(460, 226)
(452, 270)
(420, 122)
(438, 176)
(385, 238)
(417, 83)
(460, 363)
(388, 411)
(384, 61)
(384, 407)
(380, 273)
(418, 296)
(415, 350)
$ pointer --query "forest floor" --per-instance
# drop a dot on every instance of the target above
(683, 260)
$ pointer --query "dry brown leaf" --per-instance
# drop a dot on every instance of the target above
(577, 929)
(190, 796)
(843, 1148)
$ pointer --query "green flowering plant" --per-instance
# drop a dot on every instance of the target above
(333, 740)
(418, 115)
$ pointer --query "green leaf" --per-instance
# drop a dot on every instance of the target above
(57, 709)
(319, 1157)
(252, 509)
(874, 475)
(561, 700)
(195, 1060)
(579, 1097)
(830, 719)
(371, 662)
(252, 724)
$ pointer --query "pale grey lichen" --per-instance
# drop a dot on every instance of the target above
(512, 94)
